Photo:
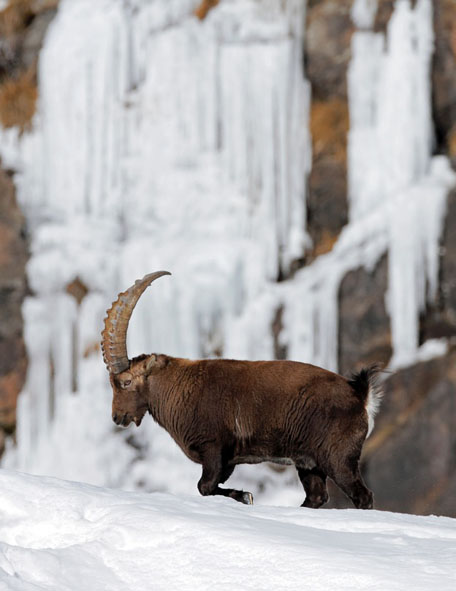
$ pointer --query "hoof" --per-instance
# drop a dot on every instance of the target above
(247, 498)
(315, 502)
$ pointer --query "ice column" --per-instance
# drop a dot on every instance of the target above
(390, 158)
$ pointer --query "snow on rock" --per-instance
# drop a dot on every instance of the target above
(55, 534)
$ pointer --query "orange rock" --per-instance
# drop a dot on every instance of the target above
(10, 386)
(329, 124)
(18, 98)
(203, 9)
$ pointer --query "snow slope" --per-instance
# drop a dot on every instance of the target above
(58, 535)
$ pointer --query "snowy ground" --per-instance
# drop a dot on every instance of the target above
(63, 536)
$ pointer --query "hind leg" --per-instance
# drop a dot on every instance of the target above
(314, 483)
(348, 478)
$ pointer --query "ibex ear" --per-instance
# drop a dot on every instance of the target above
(151, 362)
(155, 362)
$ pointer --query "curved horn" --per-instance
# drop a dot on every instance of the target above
(114, 335)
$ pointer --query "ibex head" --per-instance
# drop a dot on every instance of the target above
(128, 377)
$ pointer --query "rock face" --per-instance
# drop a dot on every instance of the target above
(364, 326)
(13, 256)
(448, 263)
(444, 77)
(409, 459)
(327, 55)
(440, 320)
(23, 25)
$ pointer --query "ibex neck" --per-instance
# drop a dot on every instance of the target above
(169, 389)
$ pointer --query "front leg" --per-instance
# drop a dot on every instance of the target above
(314, 483)
(214, 472)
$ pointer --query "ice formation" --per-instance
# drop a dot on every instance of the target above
(165, 143)
(391, 167)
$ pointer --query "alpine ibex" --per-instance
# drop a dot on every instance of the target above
(223, 412)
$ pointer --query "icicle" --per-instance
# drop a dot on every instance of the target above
(363, 13)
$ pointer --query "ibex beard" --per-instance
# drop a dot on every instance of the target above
(223, 412)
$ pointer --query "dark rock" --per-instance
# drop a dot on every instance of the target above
(327, 47)
(364, 325)
(384, 11)
(12, 351)
(13, 256)
(327, 208)
(327, 55)
(448, 261)
(444, 77)
(410, 461)
(439, 320)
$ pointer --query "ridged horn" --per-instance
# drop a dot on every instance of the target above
(114, 335)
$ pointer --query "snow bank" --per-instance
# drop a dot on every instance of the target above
(62, 536)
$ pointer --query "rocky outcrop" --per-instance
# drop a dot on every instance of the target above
(13, 256)
(440, 318)
(448, 264)
(23, 25)
(364, 325)
(409, 459)
(444, 77)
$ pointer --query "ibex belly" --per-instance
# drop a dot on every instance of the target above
(303, 461)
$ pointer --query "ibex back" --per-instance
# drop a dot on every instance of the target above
(223, 412)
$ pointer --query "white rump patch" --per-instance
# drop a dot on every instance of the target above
(374, 398)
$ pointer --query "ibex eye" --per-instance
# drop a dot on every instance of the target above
(127, 383)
